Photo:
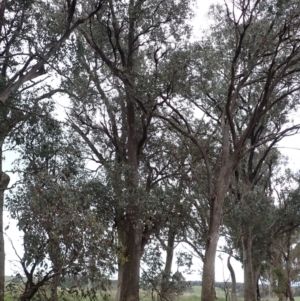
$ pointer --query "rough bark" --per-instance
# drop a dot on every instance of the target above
(55, 257)
(249, 288)
(249, 284)
(130, 228)
(129, 262)
(233, 280)
(3, 185)
(165, 286)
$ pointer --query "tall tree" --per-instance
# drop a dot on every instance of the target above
(117, 78)
(243, 74)
(29, 44)
(65, 231)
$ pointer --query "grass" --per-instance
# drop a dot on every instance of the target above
(193, 295)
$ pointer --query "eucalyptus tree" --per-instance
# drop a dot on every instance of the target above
(119, 74)
(259, 219)
(159, 277)
(65, 232)
(15, 112)
(283, 261)
(31, 35)
(243, 73)
(250, 216)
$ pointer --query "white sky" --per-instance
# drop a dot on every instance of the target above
(200, 22)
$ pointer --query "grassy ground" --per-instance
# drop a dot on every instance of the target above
(193, 295)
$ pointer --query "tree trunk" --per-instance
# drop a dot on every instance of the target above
(56, 258)
(289, 269)
(249, 284)
(54, 287)
(256, 275)
(129, 227)
(165, 282)
(2, 253)
(208, 277)
(290, 292)
(217, 196)
(130, 237)
(216, 203)
(271, 295)
(258, 297)
(233, 280)
(3, 185)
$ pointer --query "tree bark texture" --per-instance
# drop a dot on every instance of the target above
(129, 261)
(217, 195)
(208, 282)
(216, 203)
(55, 257)
(130, 228)
(249, 277)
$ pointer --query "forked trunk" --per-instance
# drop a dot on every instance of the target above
(130, 236)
